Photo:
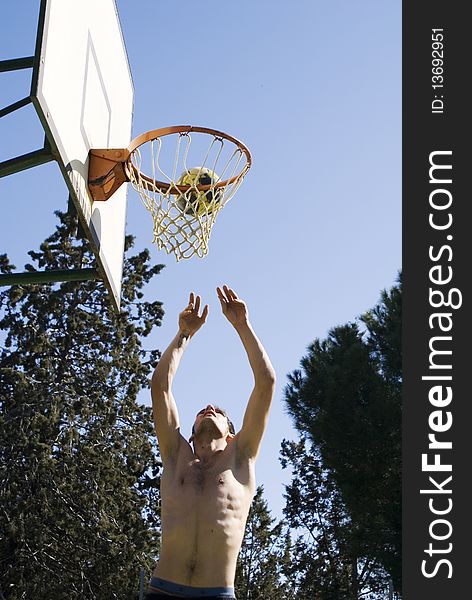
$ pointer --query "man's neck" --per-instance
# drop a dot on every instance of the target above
(206, 449)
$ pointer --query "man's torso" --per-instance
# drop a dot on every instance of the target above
(204, 511)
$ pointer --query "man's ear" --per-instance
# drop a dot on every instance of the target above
(230, 437)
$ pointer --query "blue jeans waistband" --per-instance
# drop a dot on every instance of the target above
(186, 591)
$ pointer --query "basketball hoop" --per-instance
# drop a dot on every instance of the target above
(183, 190)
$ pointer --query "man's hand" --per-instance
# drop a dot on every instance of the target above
(189, 320)
(234, 309)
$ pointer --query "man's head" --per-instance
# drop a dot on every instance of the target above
(212, 419)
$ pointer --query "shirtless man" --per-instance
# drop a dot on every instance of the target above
(206, 492)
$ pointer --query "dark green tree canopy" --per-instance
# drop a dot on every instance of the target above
(326, 564)
(346, 399)
(79, 467)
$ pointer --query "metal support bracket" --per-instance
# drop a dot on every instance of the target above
(32, 277)
(16, 64)
(106, 172)
(15, 106)
(26, 161)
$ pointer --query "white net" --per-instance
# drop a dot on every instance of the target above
(184, 190)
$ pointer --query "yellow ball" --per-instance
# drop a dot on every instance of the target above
(194, 201)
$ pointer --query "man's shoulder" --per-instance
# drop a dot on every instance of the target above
(241, 456)
(183, 453)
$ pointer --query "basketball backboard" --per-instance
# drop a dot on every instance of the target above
(83, 93)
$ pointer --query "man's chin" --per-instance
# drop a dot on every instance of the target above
(208, 428)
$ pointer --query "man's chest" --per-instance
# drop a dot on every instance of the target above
(211, 489)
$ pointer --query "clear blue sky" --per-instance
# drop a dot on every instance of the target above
(314, 233)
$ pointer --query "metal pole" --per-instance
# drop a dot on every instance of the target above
(15, 106)
(25, 161)
(15, 64)
(141, 584)
(52, 276)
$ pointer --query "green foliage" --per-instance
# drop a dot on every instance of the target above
(347, 400)
(264, 556)
(325, 564)
(384, 324)
(79, 467)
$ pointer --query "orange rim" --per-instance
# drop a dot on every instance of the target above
(181, 189)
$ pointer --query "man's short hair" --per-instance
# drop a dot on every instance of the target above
(223, 412)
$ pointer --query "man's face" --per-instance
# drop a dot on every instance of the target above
(210, 418)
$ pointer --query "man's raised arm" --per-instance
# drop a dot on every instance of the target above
(257, 410)
(166, 416)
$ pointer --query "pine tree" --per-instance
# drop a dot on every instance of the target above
(264, 555)
(347, 400)
(79, 468)
(325, 564)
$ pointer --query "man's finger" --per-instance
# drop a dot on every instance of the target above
(197, 304)
(221, 296)
(191, 299)
(229, 292)
(205, 313)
